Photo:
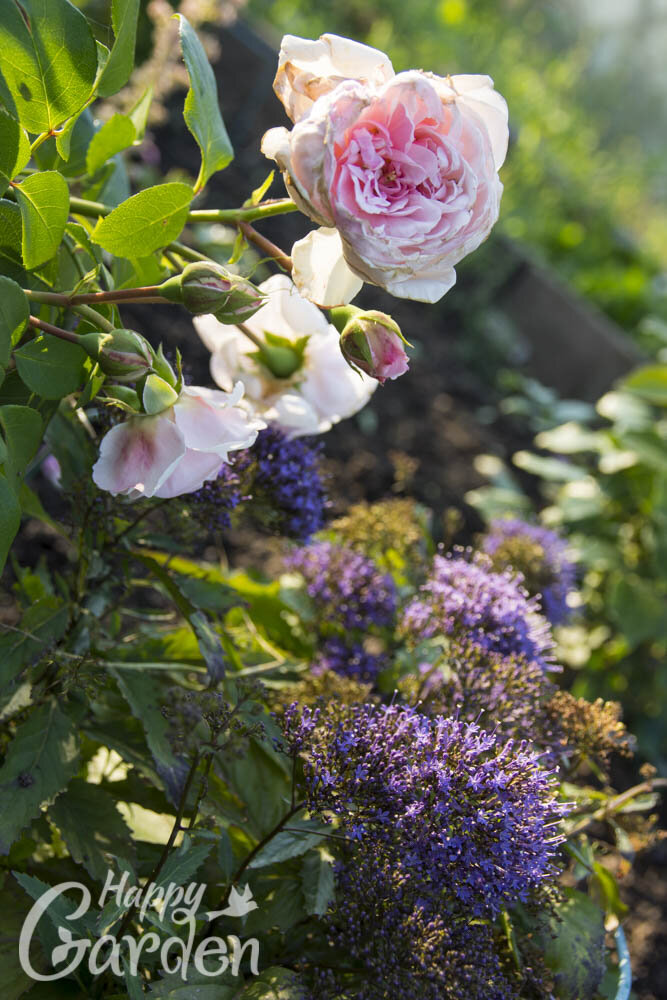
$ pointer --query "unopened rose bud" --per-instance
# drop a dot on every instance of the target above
(372, 342)
(122, 354)
(210, 288)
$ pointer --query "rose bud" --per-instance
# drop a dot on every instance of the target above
(205, 287)
(372, 342)
(122, 354)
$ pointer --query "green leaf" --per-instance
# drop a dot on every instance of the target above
(273, 984)
(318, 881)
(14, 150)
(139, 113)
(144, 694)
(14, 908)
(115, 135)
(42, 758)
(183, 864)
(10, 520)
(91, 826)
(225, 855)
(608, 892)
(49, 61)
(51, 367)
(124, 16)
(197, 988)
(637, 607)
(574, 947)
(14, 313)
(289, 844)
(146, 221)
(10, 238)
(44, 203)
(202, 108)
(44, 622)
(650, 383)
(22, 431)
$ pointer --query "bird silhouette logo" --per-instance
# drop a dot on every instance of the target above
(239, 904)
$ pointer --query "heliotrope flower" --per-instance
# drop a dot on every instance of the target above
(540, 555)
(460, 810)
(349, 659)
(464, 598)
(346, 587)
(406, 946)
(288, 483)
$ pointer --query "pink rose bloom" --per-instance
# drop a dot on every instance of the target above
(177, 450)
(404, 167)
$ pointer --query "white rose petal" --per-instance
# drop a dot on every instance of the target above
(321, 273)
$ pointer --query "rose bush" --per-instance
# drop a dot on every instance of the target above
(320, 392)
(404, 166)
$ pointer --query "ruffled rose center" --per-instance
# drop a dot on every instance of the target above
(388, 165)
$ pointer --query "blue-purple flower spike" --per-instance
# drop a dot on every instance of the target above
(464, 598)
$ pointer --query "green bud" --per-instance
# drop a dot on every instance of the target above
(281, 356)
(205, 287)
(122, 354)
(158, 395)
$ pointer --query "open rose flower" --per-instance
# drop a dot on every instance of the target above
(322, 389)
(404, 166)
(177, 450)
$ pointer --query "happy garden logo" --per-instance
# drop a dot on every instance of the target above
(212, 957)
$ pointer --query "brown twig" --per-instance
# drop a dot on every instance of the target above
(266, 246)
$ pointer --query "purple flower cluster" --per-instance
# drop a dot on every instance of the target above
(346, 587)
(457, 809)
(465, 599)
(213, 502)
(288, 482)
(541, 556)
(407, 948)
(349, 659)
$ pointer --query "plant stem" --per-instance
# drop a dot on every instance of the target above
(187, 253)
(613, 805)
(251, 336)
(278, 206)
(175, 830)
(94, 317)
(250, 857)
(149, 293)
(266, 246)
(55, 331)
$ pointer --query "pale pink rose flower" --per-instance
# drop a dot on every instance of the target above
(321, 392)
(178, 450)
(404, 166)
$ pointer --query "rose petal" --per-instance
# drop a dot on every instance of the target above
(193, 470)
(136, 457)
(210, 422)
(308, 69)
(320, 271)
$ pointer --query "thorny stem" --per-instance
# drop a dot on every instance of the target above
(266, 246)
